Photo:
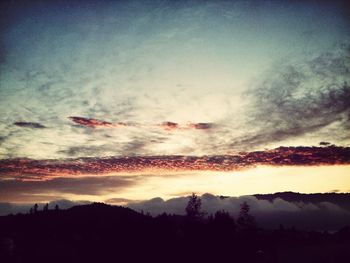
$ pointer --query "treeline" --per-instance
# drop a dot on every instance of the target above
(103, 233)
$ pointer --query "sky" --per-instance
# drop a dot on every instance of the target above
(87, 87)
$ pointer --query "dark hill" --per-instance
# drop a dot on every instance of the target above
(104, 233)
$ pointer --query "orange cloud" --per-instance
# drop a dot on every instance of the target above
(90, 122)
(27, 169)
(200, 125)
(169, 126)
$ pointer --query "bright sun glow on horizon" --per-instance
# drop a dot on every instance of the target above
(262, 180)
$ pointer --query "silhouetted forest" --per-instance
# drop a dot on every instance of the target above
(104, 233)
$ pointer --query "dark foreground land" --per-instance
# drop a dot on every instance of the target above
(103, 233)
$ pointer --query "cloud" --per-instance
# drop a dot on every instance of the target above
(13, 190)
(323, 215)
(200, 126)
(169, 126)
(168, 69)
(298, 97)
(176, 126)
(27, 169)
(90, 122)
(87, 150)
(33, 125)
(211, 204)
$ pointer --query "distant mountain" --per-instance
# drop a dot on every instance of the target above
(340, 199)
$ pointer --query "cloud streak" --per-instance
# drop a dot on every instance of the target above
(90, 122)
(167, 125)
(40, 191)
(33, 125)
(27, 169)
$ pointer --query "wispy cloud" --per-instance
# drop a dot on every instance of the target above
(138, 79)
(43, 190)
(299, 97)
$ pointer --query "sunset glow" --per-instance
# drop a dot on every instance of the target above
(142, 99)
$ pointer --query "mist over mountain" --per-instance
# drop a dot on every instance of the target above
(328, 211)
(321, 211)
(340, 199)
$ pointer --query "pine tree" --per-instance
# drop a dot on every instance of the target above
(46, 207)
(35, 208)
(193, 208)
(245, 220)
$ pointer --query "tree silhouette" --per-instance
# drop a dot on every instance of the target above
(87, 233)
(46, 207)
(245, 220)
(223, 224)
(35, 208)
(193, 208)
(223, 218)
